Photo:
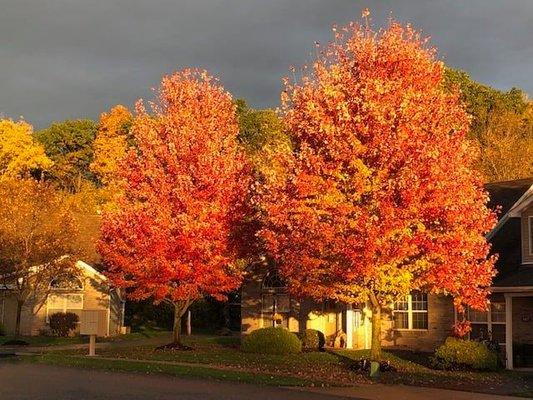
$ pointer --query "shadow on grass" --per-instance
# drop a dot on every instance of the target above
(346, 361)
(420, 358)
(233, 342)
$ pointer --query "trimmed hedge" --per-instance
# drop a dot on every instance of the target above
(61, 324)
(460, 354)
(313, 339)
(271, 341)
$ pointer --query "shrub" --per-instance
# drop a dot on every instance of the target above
(464, 354)
(271, 341)
(313, 339)
(2, 330)
(61, 324)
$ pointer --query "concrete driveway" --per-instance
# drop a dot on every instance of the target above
(20, 381)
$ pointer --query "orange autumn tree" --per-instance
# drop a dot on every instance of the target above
(379, 198)
(171, 237)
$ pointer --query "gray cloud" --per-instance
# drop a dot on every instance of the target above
(75, 58)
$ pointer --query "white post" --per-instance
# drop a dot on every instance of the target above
(92, 345)
(508, 331)
(349, 326)
(189, 329)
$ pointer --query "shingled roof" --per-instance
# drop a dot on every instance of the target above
(506, 241)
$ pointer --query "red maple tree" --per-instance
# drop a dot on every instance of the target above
(379, 197)
(185, 183)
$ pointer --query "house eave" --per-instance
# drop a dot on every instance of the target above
(513, 212)
(514, 289)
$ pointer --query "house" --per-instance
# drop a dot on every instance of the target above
(87, 290)
(421, 321)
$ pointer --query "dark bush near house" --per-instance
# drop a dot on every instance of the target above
(2, 330)
(460, 354)
(271, 341)
(312, 340)
(61, 324)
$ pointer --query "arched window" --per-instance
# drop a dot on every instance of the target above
(276, 303)
(273, 282)
(67, 282)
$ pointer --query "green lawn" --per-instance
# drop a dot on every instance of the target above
(45, 340)
(413, 369)
(224, 352)
(59, 341)
(220, 358)
(56, 358)
(331, 367)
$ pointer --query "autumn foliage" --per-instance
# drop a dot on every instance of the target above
(20, 154)
(111, 143)
(37, 241)
(171, 237)
(379, 196)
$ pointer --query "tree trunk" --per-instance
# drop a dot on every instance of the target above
(179, 309)
(375, 348)
(176, 330)
(20, 303)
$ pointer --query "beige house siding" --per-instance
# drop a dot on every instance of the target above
(527, 251)
(116, 310)
(9, 313)
(97, 295)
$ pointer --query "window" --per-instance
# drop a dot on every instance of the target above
(63, 303)
(66, 283)
(411, 312)
(488, 325)
(275, 299)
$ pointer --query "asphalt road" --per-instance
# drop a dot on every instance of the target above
(21, 381)
(43, 382)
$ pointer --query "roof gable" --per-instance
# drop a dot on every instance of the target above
(511, 196)
(506, 194)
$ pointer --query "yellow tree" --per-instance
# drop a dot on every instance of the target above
(111, 142)
(506, 147)
(37, 232)
(20, 154)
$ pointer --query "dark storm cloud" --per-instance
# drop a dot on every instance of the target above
(75, 58)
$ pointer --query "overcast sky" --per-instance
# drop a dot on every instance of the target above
(64, 59)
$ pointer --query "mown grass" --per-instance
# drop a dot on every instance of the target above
(189, 371)
(333, 367)
(224, 352)
(45, 341)
(413, 368)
